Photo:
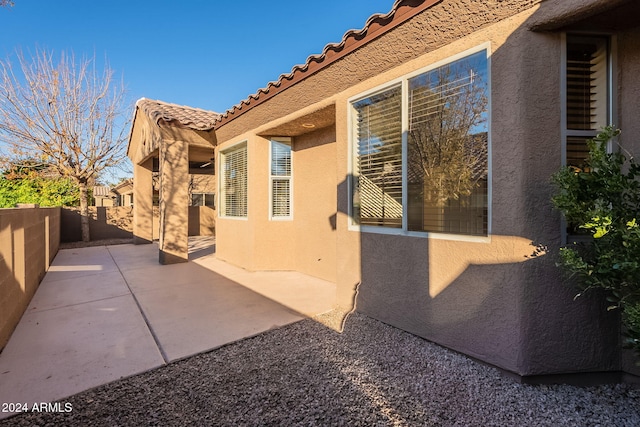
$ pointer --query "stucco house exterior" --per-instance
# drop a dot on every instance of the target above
(171, 148)
(410, 164)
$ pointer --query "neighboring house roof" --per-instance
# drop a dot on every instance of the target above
(376, 25)
(102, 191)
(124, 187)
(192, 118)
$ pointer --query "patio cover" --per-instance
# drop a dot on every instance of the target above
(165, 138)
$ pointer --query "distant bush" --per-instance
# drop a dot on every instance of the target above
(33, 188)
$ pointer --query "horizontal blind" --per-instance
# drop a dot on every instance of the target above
(427, 103)
(379, 162)
(235, 182)
(280, 158)
(448, 148)
(281, 197)
(586, 83)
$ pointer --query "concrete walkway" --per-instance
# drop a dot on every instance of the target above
(107, 312)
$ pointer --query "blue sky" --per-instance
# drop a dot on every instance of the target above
(206, 54)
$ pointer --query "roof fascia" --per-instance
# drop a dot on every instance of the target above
(376, 26)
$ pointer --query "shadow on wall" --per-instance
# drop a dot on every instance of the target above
(12, 290)
(104, 223)
(29, 240)
(482, 298)
(201, 221)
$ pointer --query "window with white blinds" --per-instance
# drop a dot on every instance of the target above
(379, 159)
(281, 178)
(587, 97)
(431, 176)
(448, 148)
(233, 188)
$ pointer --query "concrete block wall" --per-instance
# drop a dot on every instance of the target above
(108, 222)
(202, 221)
(29, 240)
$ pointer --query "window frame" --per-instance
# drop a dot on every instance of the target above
(221, 180)
(403, 81)
(288, 178)
(612, 110)
(204, 195)
(611, 88)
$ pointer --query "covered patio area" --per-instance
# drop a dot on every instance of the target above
(172, 151)
(108, 312)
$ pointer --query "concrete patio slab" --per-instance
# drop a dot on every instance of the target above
(56, 353)
(77, 290)
(305, 294)
(103, 313)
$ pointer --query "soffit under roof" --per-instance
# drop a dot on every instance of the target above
(307, 123)
(596, 15)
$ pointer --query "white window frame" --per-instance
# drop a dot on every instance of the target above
(221, 180)
(272, 178)
(352, 152)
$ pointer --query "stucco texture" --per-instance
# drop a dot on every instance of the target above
(501, 298)
(29, 240)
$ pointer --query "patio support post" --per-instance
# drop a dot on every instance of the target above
(174, 202)
(143, 202)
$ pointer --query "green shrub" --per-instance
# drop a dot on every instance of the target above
(603, 199)
(33, 188)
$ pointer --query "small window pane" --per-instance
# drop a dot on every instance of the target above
(378, 186)
(234, 182)
(586, 83)
(281, 198)
(196, 199)
(280, 158)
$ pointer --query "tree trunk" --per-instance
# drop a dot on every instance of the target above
(84, 211)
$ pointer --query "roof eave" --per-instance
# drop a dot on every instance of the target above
(376, 26)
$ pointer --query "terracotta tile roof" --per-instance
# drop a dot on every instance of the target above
(193, 118)
(376, 25)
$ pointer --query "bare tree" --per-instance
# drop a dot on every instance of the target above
(446, 155)
(66, 112)
(6, 3)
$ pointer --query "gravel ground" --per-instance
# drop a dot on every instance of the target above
(307, 374)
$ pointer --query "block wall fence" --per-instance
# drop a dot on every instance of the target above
(29, 241)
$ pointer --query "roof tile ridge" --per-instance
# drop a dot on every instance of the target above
(336, 47)
(158, 111)
(171, 104)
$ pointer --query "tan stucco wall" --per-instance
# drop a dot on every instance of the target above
(315, 204)
(29, 240)
(308, 242)
(202, 221)
(112, 222)
(489, 298)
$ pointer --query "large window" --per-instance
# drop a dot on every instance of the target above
(587, 94)
(421, 151)
(233, 186)
(280, 178)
